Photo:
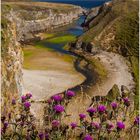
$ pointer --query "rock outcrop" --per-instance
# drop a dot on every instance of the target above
(11, 64)
(20, 24)
(40, 19)
(113, 93)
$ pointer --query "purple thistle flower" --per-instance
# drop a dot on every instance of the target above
(28, 95)
(101, 108)
(13, 101)
(5, 125)
(95, 125)
(114, 105)
(109, 127)
(23, 98)
(55, 123)
(70, 94)
(136, 121)
(46, 136)
(28, 136)
(57, 98)
(126, 101)
(120, 125)
(59, 108)
(73, 125)
(82, 116)
(49, 101)
(2, 131)
(88, 137)
(27, 105)
(41, 136)
(91, 110)
(21, 123)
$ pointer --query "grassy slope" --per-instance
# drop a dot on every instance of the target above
(62, 39)
(125, 15)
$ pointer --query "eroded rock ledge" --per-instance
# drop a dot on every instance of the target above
(40, 19)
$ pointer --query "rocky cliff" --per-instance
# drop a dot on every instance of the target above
(11, 63)
(20, 23)
(114, 27)
(30, 20)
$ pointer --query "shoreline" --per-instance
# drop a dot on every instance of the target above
(116, 67)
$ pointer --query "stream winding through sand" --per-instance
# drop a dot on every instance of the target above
(83, 80)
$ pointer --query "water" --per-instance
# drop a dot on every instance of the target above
(83, 3)
(74, 29)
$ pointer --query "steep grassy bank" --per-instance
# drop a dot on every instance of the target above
(116, 29)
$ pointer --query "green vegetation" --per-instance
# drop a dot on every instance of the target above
(127, 34)
(122, 22)
(49, 35)
(99, 68)
(127, 37)
(135, 70)
(62, 39)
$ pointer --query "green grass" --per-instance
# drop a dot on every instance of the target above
(62, 39)
(99, 68)
(28, 53)
(135, 70)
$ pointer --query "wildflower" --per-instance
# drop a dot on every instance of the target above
(21, 123)
(126, 101)
(101, 108)
(2, 131)
(28, 136)
(91, 111)
(120, 125)
(28, 95)
(13, 101)
(57, 98)
(88, 137)
(27, 105)
(95, 125)
(23, 98)
(114, 105)
(82, 116)
(5, 125)
(55, 123)
(41, 136)
(109, 127)
(59, 108)
(136, 121)
(70, 94)
(49, 101)
(46, 136)
(3, 119)
(73, 125)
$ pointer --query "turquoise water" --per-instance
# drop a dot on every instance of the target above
(74, 29)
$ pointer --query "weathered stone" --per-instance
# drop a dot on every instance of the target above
(113, 93)
(125, 91)
(26, 28)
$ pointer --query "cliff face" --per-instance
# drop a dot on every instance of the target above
(114, 27)
(38, 19)
(11, 64)
(106, 28)
(19, 24)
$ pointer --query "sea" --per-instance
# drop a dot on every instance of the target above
(83, 3)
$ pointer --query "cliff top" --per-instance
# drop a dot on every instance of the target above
(55, 6)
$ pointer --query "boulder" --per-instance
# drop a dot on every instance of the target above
(113, 93)
(125, 91)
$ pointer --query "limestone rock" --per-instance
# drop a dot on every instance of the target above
(113, 93)
(125, 91)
